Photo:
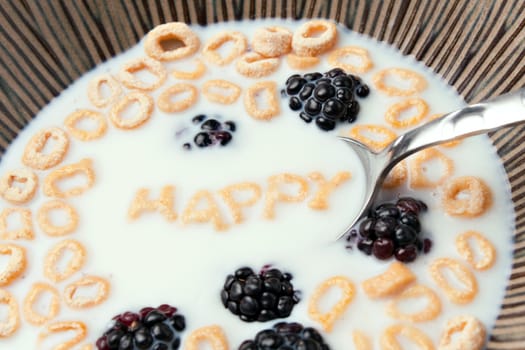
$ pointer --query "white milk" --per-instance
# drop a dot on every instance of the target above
(151, 261)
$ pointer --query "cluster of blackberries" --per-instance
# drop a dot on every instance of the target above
(260, 296)
(149, 329)
(394, 230)
(212, 132)
(327, 98)
(286, 336)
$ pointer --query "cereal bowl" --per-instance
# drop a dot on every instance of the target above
(48, 46)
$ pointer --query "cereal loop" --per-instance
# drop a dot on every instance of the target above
(79, 329)
(16, 264)
(166, 104)
(213, 334)
(254, 65)
(145, 103)
(328, 319)
(306, 42)
(418, 170)
(391, 282)
(430, 312)
(164, 205)
(462, 273)
(33, 156)
(81, 302)
(466, 196)
(397, 176)
(213, 56)
(10, 324)
(84, 166)
(272, 41)
(374, 136)
(174, 31)
(301, 62)
(336, 58)
(361, 341)
(466, 251)
(232, 91)
(463, 333)
(210, 212)
(389, 337)
(53, 257)
(51, 229)
(30, 311)
(235, 206)
(95, 90)
(269, 88)
(198, 72)
(274, 193)
(71, 124)
(393, 113)
(131, 81)
(417, 82)
(26, 224)
(14, 194)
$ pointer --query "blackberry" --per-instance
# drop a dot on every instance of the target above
(260, 296)
(149, 329)
(394, 229)
(286, 336)
(328, 98)
(212, 132)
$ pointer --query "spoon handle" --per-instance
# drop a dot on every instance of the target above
(504, 110)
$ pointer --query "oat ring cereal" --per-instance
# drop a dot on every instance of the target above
(16, 265)
(462, 273)
(131, 81)
(302, 62)
(14, 194)
(269, 89)
(72, 120)
(33, 154)
(30, 311)
(417, 82)
(232, 91)
(463, 333)
(337, 56)
(389, 337)
(198, 72)
(305, 42)
(393, 113)
(211, 54)
(25, 231)
(419, 176)
(84, 166)
(9, 324)
(78, 328)
(464, 248)
(95, 90)
(254, 65)
(466, 196)
(46, 223)
(328, 319)
(166, 104)
(80, 302)
(374, 136)
(145, 103)
(177, 31)
(74, 264)
(213, 334)
(272, 41)
(430, 312)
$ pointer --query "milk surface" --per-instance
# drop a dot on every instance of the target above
(150, 261)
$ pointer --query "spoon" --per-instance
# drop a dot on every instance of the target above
(479, 118)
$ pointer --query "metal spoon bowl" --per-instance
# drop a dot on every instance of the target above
(480, 118)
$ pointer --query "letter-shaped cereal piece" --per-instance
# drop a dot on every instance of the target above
(462, 273)
(337, 57)
(18, 195)
(71, 124)
(389, 337)
(275, 195)
(361, 341)
(396, 278)
(301, 62)
(272, 41)
(34, 157)
(418, 177)
(393, 114)
(210, 212)
(16, 264)
(417, 82)
(81, 302)
(230, 92)
(145, 103)
(306, 42)
(320, 199)
(254, 65)
(31, 313)
(78, 328)
(26, 228)
(464, 249)
(271, 108)
(85, 166)
(131, 81)
(47, 225)
(95, 92)
(173, 31)
(374, 136)
(212, 334)
(397, 176)
(328, 319)
(463, 333)
(166, 103)
(235, 206)
(10, 324)
(211, 54)
(164, 205)
(475, 199)
(75, 263)
(198, 72)
(430, 312)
